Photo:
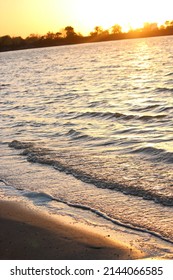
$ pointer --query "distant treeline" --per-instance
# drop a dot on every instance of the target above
(69, 36)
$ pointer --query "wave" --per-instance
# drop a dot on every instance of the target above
(163, 109)
(149, 150)
(147, 108)
(117, 115)
(169, 74)
(20, 145)
(76, 135)
(4, 85)
(164, 89)
(157, 154)
(48, 157)
(109, 66)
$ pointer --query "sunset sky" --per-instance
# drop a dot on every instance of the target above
(23, 17)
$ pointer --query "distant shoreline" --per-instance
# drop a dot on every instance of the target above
(42, 43)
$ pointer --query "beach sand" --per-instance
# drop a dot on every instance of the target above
(26, 234)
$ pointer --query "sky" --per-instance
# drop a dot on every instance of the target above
(25, 17)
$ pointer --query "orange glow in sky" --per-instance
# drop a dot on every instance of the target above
(23, 17)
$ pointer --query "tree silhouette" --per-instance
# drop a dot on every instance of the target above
(70, 32)
(18, 41)
(116, 29)
(150, 26)
(58, 35)
(169, 24)
(97, 31)
(69, 36)
(50, 35)
(53, 36)
(32, 39)
(6, 41)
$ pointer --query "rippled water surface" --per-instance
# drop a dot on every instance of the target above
(100, 112)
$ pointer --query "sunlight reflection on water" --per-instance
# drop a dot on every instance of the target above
(104, 111)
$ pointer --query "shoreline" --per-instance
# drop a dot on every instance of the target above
(60, 42)
(34, 235)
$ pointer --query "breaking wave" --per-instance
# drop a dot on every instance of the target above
(45, 156)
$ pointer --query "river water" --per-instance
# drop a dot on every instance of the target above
(90, 127)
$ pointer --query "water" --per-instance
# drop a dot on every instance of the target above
(91, 126)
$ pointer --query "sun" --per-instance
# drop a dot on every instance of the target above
(127, 13)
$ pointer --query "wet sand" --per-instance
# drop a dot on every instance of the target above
(26, 234)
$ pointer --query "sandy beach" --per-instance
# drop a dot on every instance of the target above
(28, 234)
